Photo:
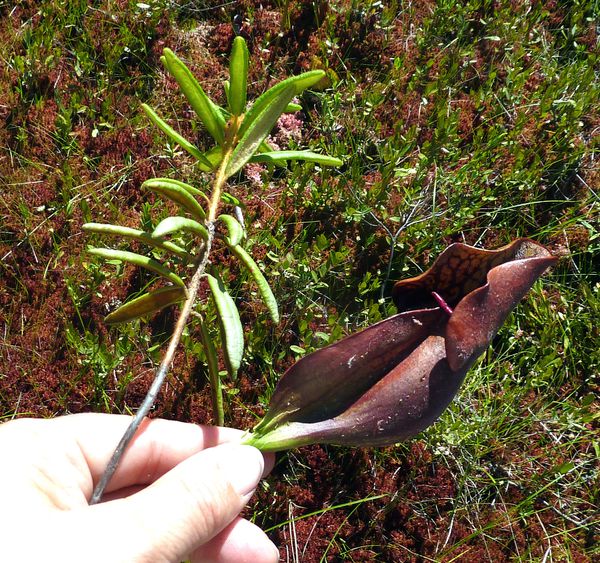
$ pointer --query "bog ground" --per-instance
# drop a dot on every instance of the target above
(474, 121)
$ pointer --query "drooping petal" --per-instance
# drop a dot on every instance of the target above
(400, 405)
(324, 383)
(478, 317)
(409, 395)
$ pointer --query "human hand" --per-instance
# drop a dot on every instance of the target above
(177, 493)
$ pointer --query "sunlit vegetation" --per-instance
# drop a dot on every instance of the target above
(467, 121)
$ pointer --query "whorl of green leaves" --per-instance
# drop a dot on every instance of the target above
(240, 131)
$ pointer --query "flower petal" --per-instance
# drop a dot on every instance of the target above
(324, 383)
(394, 379)
(400, 405)
(478, 317)
(457, 271)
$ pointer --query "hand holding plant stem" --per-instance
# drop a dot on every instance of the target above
(240, 136)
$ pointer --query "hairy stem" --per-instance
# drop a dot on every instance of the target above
(167, 360)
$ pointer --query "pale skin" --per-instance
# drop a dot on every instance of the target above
(177, 494)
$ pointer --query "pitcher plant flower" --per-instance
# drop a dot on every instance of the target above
(393, 379)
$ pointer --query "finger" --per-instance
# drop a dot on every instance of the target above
(158, 446)
(132, 489)
(240, 542)
(197, 500)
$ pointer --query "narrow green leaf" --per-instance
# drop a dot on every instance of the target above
(148, 303)
(210, 352)
(232, 334)
(190, 189)
(213, 372)
(172, 225)
(230, 199)
(135, 234)
(263, 285)
(292, 108)
(205, 109)
(308, 156)
(298, 83)
(225, 112)
(259, 129)
(238, 75)
(226, 87)
(179, 139)
(180, 195)
(138, 260)
(235, 230)
(266, 147)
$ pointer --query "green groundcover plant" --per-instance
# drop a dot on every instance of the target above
(376, 387)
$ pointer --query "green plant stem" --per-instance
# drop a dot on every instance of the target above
(167, 360)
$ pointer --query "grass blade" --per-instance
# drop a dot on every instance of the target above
(259, 129)
(176, 224)
(238, 76)
(235, 230)
(203, 106)
(135, 234)
(174, 136)
(138, 260)
(146, 304)
(259, 278)
(232, 334)
(307, 156)
(177, 193)
(298, 83)
(213, 372)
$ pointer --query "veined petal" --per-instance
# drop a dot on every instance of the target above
(457, 271)
(400, 405)
(404, 377)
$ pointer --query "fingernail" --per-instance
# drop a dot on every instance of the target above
(243, 466)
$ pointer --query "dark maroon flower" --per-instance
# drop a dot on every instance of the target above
(394, 379)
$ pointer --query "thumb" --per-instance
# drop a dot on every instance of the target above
(187, 506)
